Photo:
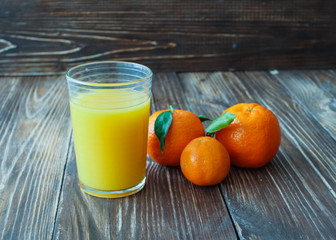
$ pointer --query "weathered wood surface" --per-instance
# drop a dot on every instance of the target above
(46, 37)
(35, 133)
(293, 197)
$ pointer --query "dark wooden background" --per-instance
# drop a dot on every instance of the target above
(39, 37)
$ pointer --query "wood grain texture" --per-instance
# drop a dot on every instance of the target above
(46, 37)
(317, 91)
(293, 197)
(34, 140)
(169, 207)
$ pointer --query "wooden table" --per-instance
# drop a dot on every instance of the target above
(293, 197)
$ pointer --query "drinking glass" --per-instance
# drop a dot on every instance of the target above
(110, 105)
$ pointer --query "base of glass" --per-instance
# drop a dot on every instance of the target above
(113, 194)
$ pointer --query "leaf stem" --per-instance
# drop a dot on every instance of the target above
(171, 108)
(209, 134)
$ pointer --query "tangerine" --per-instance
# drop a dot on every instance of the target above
(185, 126)
(253, 138)
(205, 161)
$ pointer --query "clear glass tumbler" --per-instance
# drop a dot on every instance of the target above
(110, 105)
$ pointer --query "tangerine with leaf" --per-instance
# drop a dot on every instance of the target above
(169, 131)
(253, 138)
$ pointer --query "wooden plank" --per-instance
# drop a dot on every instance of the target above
(34, 140)
(169, 207)
(293, 197)
(317, 91)
(46, 38)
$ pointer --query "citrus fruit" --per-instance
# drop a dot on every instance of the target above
(253, 138)
(184, 127)
(205, 161)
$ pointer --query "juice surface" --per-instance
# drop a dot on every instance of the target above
(110, 138)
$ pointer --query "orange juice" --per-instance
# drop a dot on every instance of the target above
(110, 140)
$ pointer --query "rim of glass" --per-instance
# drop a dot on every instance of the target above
(149, 75)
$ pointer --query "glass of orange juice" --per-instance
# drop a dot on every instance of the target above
(109, 105)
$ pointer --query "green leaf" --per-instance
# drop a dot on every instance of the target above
(161, 127)
(204, 118)
(220, 122)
